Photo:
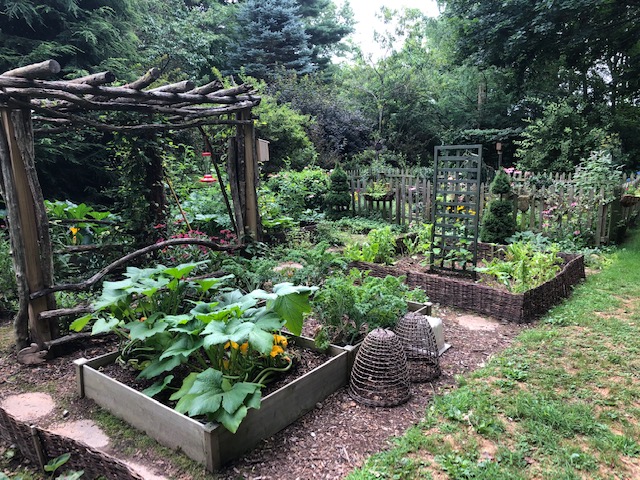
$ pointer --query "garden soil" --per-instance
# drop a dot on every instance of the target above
(327, 443)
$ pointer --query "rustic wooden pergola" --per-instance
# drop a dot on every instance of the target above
(28, 99)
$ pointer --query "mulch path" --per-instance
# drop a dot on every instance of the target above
(327, 443)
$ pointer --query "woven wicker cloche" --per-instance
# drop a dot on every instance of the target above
(380, 377)
(420, 346)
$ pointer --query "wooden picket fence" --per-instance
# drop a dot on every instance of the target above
(560, 209)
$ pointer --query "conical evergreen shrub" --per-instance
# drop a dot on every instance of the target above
(338, 198)
(498, 222)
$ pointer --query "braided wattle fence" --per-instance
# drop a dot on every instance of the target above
(40, 446)
(484, 299)
(558, 209)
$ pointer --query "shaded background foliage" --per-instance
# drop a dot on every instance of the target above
(552, 81)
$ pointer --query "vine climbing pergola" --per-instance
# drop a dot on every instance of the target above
(32, 104)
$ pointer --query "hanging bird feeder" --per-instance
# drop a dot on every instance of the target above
(207, 177)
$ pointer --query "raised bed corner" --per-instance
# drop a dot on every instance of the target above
(210, 443)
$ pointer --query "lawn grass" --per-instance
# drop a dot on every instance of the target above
(562, 403)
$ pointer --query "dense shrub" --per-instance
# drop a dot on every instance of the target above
(296, 192)
(498, 222)
(338, 198)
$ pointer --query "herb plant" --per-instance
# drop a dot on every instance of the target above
(380, 247)
(351, 305)
(523, 267)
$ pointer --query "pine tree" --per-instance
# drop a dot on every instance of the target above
(271, 35)
(326, 27)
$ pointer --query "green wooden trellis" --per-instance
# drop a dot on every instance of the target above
(456, 202)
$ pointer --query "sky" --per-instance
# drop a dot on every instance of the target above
(365, 14)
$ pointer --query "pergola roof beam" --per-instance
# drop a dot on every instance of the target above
(95, 79)
(36, 70)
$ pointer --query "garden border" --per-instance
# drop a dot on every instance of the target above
(40, 446)
(210, 443)
(513, 307)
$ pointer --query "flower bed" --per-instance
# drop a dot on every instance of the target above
(468, 295)
(209, 443)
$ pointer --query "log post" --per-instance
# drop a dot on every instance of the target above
(28, 226)
(251, 173)
(235, 174)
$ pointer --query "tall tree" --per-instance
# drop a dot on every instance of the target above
(419, 97)
(270, 35)
(81, 35)
(185, 39)
(326, 26)
(592, 46)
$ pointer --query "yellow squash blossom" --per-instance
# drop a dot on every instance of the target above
(276, 350)
(244, 348)
(74, 231)
(279, 340)
(231, 344)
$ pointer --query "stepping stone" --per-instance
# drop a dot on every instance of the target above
(144, 471)
(473, 322)
(27, 407)
(84, 431)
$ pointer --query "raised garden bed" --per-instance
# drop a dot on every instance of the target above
(476, 297)
(209, 443)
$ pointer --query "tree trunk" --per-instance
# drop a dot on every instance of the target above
(154, 179)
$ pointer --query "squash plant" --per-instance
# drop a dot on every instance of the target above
(228, 342)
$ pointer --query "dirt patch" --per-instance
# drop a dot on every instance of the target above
(330, 441)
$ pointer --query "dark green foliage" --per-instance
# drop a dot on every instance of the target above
(140, 192)
(340, 127)
(562, 137)
(543, 40)
(338, 199)
(270, 34)
(284, 128)
(81, 35)
(351, 305)
(501, 184)
(326, 27)
(296, 192)
(184, 40)
(498, 223)
(74, 166)
(582, 50)
(8, 287)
